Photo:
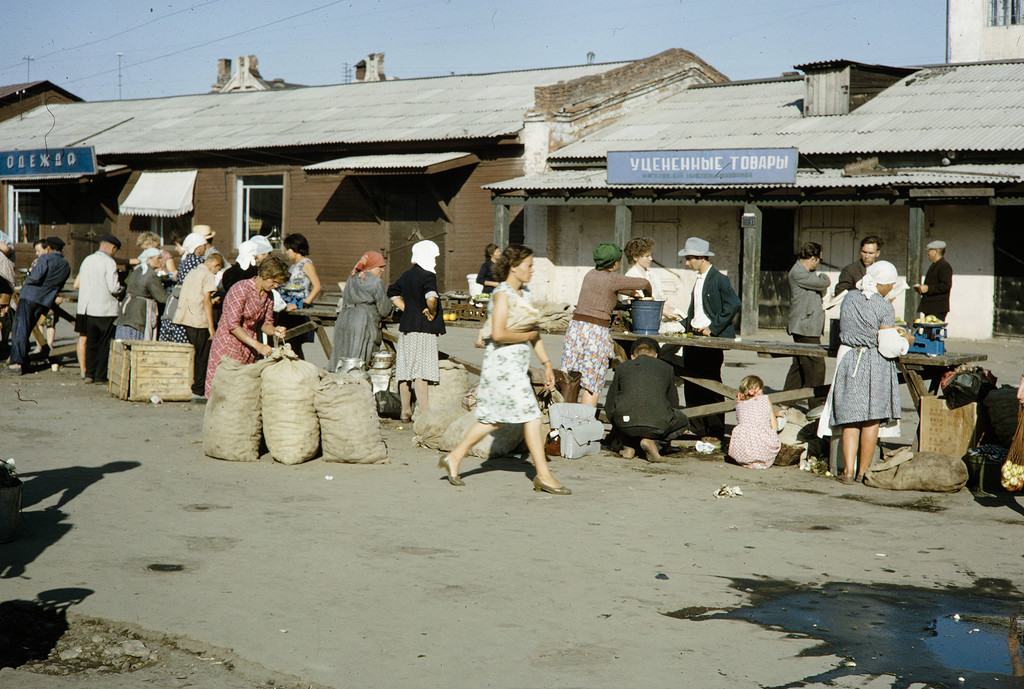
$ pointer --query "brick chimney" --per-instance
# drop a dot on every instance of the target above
(223, 72)
(371, 69)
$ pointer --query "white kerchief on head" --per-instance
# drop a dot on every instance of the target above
(878, 273)
(145, 256)
(424, 254)
(192, 242)
(261, 243)
(246, 254)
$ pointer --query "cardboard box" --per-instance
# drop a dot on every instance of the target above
(950, 431)
(140, 369)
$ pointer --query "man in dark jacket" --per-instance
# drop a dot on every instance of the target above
(642, 403)
(870, 250)
(36, 298)
(938, 282)
(712, 309)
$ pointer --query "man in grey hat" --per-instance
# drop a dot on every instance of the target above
(712, 309)
(98, 289)
(938, 282)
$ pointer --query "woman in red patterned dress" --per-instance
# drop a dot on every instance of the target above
(248, 305)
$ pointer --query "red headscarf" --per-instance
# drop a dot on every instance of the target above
(371, 259)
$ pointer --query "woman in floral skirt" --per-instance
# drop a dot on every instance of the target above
(505, 394)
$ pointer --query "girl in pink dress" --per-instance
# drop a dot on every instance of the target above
(248, 306)
(754, 442)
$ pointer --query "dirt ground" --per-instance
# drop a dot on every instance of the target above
(134, 549)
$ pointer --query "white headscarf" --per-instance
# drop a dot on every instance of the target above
(879, 273)
(246, 254)
(145, 256)
(192, 242)
(424, 254)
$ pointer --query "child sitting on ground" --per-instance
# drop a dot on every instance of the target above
(754, 442)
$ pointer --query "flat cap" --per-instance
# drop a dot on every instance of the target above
(111, 239)
(937, 244)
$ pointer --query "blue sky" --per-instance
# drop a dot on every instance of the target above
(171, 48)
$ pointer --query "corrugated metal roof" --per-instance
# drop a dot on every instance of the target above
(830, 178)
(978, 107)
(439, 108)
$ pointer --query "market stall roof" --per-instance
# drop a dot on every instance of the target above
(428, 109)
(395, 163)
(161, 194)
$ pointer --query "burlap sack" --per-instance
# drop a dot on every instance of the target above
(502, 443)
(453, 382)
(349, 425)
(231, 422)
(927, 471)
(290, 425)
(430, 427)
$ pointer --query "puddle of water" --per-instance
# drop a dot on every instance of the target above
(165, 568)
(907, 632)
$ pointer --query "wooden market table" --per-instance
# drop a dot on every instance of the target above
(914, 368)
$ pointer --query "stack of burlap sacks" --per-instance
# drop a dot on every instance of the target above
(453, 412)
(297, 408)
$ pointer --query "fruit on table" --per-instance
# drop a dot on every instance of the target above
(1012, 475)
(929, 319)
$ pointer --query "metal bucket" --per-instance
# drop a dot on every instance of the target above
(646, 316)
(382, 359)
(10, 509)
(347, 364)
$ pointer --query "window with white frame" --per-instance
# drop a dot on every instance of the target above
(1005, 12)
(260, 208)
(24, 208)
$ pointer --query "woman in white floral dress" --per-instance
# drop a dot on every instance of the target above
(505, 394)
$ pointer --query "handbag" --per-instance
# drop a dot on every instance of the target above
(171, 307)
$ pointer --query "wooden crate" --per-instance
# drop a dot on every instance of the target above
(140, 369)
(467, 312)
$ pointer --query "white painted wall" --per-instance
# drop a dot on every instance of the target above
(564, 238)
(971, 39)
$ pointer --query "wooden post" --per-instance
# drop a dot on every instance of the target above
(501, 225)
(915, 242)
(623, 230)
(751, 224)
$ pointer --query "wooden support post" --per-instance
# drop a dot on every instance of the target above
(623, 230)
(751, 284)
(501, 225)
(915, 243)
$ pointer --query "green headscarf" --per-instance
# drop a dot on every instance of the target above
(606, 254)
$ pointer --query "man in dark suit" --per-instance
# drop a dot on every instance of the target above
(712, 310)
(37, 297)
(938, 282)
(642, 403)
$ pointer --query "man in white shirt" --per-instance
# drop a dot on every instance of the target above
(97, 302)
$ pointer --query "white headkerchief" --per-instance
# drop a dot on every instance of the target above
(246, 254)
(192, 242)
(424, 254)
(145, 256)
(879, 273)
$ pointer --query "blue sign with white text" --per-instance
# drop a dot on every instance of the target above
(708, 166)
(48, 162)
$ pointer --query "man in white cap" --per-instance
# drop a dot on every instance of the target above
(712, 309)
(938, 282)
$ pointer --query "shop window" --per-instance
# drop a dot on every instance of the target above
(1005, 12)
(260, 208)
(25, 207)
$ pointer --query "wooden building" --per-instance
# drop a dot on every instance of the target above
(354, 167)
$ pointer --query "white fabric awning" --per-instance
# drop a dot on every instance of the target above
(395, 163)
(161, 194)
